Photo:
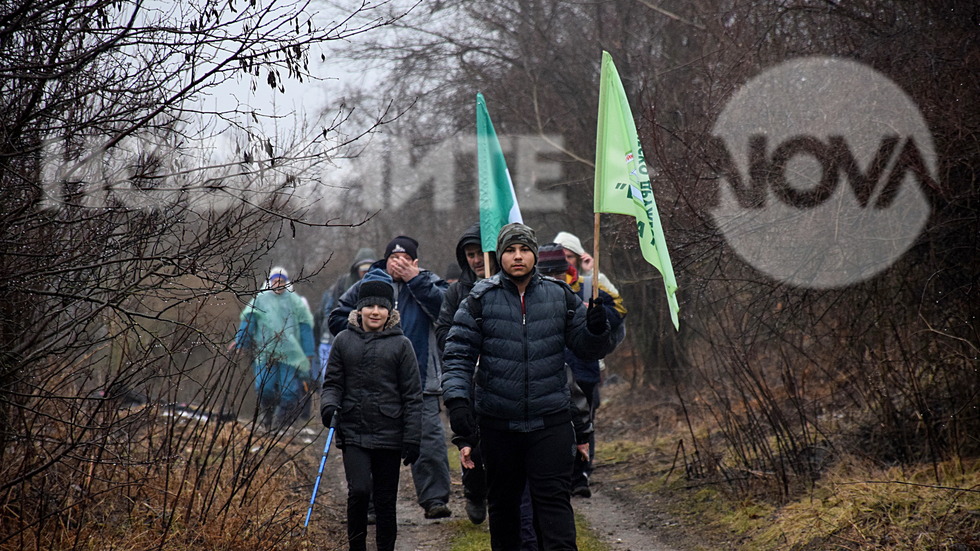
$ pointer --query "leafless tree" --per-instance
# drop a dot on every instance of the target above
(141, 191)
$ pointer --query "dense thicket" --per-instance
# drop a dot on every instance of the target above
(886, 367)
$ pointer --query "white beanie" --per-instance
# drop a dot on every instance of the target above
(570, 242)
(278, 271)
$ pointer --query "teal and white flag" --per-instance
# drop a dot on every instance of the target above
(498, 203)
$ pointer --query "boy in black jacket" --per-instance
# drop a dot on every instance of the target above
(470, 258)
(372, 385)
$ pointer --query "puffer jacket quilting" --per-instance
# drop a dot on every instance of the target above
(373, 380)
(418, 302)
(521, 383)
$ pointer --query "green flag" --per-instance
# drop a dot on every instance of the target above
(622, 185)
(498, 203)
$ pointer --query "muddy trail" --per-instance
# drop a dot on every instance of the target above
(611, 512)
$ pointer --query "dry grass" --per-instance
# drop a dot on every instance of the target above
(168, 482)
(175, 484)
(858, 506)
(855, 505)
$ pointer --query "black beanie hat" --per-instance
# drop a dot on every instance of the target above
(375, 292)
(403, 244)
(453, 271)
(516, 233)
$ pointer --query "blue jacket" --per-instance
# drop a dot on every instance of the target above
(521, 384)
(418, 302)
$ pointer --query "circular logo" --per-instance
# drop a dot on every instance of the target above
(822, 181)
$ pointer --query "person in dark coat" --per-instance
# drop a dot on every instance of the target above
(470, 258)
(518, 324)
(418, 298)
(372, 387)
(363, 259)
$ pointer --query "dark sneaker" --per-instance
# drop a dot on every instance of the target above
(582, 491)
(372, 519)
(439, 510)
(476, 510)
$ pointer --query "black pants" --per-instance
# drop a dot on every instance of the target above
(583, 468)
(370, 471)
(541, 459)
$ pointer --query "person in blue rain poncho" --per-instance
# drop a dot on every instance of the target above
(277, 327)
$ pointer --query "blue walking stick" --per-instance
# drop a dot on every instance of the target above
(323, 461)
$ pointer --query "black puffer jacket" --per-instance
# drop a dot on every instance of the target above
(521, 384)
(373, 380)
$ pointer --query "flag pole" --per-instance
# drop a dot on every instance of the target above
(595, 258)
(486, 264)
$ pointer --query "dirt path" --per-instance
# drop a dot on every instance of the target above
(617, 523)
(613, 520)
(415, 532)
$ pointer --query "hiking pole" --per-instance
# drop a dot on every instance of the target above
(319, 473)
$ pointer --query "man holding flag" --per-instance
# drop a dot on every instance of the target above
(518, 324)
(477, 260)
(470, 257)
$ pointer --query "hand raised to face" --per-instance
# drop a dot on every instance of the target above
(402, 267)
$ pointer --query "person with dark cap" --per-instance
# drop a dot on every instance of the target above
(518, 324)
(418, 298)
(553, 262)
(372, 387)
(452, 273)
(470, 258)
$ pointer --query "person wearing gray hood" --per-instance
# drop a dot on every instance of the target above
(518, 324)
(362, 263)
(470, 258)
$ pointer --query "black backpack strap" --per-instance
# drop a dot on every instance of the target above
(570, 305)
(475, 305)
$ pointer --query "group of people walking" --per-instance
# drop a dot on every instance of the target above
(512, 347)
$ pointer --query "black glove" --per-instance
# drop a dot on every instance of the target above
(326, 414)
(595, 317)
(410, 453)
(461, 418)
